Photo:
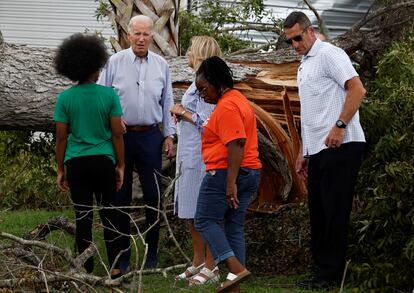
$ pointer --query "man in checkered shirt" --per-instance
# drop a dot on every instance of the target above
(330, 94)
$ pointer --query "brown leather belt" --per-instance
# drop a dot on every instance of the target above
(138, 128)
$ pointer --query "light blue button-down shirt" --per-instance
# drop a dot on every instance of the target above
(144, 88)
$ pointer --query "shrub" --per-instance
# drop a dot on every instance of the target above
(28, 172)
(384, 231)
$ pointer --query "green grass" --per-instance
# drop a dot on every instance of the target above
(255, 284)
(20, 222)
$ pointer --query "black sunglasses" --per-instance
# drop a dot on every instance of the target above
(297, 38)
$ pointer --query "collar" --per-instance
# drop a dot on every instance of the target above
(314, 49)
(134, 57)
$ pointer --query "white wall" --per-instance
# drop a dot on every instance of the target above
(45, 23)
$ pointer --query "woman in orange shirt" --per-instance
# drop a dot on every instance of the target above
(230, 153)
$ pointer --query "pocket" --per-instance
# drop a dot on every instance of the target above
(248, 179)
(257, 179)
(244, 171)
(244, 179)
(156, 86)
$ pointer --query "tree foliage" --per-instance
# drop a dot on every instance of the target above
(211, 17)
(28, 172)
(384, 230)
(197, 27)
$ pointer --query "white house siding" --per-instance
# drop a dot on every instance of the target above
(339, 15)
(45, 23)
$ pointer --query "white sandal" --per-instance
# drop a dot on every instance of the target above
(205, 276)
(189, 272)
(232, 280)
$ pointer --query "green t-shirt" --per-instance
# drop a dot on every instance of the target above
(87, 109)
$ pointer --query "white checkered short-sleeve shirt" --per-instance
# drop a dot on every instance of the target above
(321, 80)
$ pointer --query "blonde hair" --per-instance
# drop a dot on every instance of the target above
(203, 47)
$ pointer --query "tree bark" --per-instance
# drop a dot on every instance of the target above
(29, 85)
(28, 88)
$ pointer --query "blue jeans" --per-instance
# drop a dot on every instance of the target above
(220, 226)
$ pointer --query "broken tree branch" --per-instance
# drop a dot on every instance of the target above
(387, 9)
(254, 49)
(42, 230)
(256, 27)
(321, 23)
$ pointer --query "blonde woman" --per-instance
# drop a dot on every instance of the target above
(191, 115)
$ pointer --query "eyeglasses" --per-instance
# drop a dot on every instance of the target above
(203, 91)
(297, 38)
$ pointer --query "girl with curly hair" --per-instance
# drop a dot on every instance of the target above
(89, 143)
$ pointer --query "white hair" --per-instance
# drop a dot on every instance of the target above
(140, 18)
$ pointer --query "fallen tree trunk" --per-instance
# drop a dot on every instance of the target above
(29, 86)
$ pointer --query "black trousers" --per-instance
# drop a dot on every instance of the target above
(87, 176)
(143, 151)
(332, 175)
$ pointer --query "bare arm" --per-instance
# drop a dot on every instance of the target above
(169, 147)
(181, 113)
(61, 142)
(235, 154)
(301, 165)
(355, 94)
(118, 143)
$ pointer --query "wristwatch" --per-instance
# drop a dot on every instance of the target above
(340, 124)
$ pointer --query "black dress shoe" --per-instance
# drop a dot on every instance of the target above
(151, 262)
(116, 276)
(315, 284)
(124, 266)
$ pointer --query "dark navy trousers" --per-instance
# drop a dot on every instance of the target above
(143, 152)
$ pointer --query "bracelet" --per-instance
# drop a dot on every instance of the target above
(183, 112)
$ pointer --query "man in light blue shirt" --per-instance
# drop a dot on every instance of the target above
(142, 80)
(330, 93)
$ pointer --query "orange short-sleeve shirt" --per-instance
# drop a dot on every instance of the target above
(232, 118)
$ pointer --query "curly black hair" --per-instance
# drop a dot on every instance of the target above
(80, 56)
(217, 73)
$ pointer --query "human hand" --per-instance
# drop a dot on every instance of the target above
(301, 167)
(231, 195)
(61, 181)
(119, 171)
(177, 109)
(335, 137)
(123, 125)
(176, 118)
(169, 147)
